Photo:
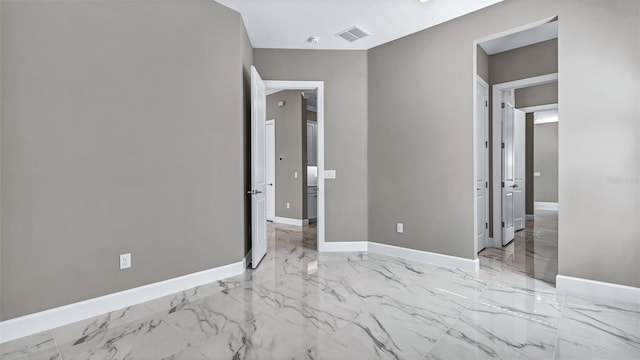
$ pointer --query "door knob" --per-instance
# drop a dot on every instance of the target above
(515, 186)
(254, 192)
(270, 184)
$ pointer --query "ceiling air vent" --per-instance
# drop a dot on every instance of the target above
(353, 34)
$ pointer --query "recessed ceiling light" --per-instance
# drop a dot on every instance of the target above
(313, 39)
(423, 1)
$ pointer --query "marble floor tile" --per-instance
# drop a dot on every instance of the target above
(597, 330)
(38, 346)
(264, 337)
(487, 331)
(86, 330)
(302, 304)
(148, 338)
(187, 354)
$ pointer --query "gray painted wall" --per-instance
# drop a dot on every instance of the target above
(525, 62)
(289, 131)
(122, 131)
(421, 134)
(345, 79)
(482, 64)
(545, 161)
(537, 95)
(529, 149)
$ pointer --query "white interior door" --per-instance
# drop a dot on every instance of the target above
(482, 165)
(271, 170)
(508, 167)
(519, 197)
(258, 169)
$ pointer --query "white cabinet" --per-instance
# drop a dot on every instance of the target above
(312, 143)
(312, 202)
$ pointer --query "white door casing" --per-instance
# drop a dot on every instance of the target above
(519, 194)
(271, 170)
(258, 169)
(508, 167)
(482, 164)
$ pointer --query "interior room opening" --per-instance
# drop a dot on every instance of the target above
(292, 167)
(516, 152)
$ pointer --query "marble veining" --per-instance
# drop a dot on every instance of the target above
(301, 304)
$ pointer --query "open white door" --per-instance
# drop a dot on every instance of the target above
(508, 168)
(271, 170)
(482, 164)
(519, 194)
(258, 169)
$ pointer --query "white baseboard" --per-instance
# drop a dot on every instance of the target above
(290, 221)
(529, 217)
(343, 246)
(541, 205)
(596, 289)
(49, 319)
(425, 257)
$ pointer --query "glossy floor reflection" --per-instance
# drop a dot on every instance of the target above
(300, 304)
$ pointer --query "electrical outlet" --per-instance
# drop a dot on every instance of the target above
(288, 206)
(295, 174)
(399, 228)
(125, 261)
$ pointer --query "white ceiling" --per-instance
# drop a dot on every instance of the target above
(535, 35)
(287, 24)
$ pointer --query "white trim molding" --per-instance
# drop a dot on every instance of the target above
(425, 257)
(405, 253)
(529, 216)
(290, 221)
(541, 205)
(568, 285)
(343, 246)
(535, 108)
(48, 319)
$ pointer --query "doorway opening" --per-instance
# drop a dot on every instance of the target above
(292, 165)
(516, 79)
(287, 162)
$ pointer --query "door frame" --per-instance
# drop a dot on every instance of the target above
(269, 162)
(496, 140)
(280, 85)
